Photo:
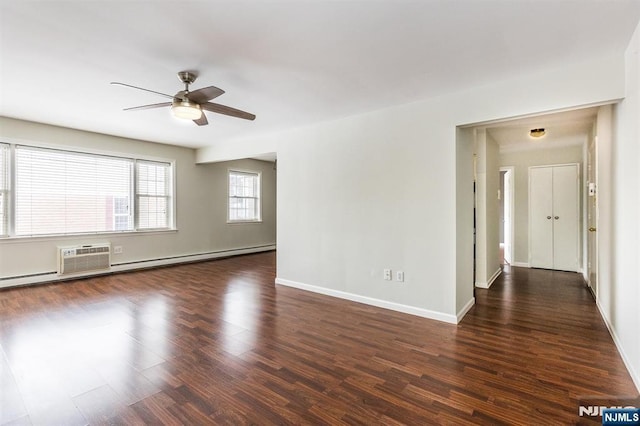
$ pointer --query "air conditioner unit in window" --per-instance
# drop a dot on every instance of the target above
(85, 258)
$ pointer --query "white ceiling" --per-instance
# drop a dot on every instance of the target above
(568, 128)
(291, 63)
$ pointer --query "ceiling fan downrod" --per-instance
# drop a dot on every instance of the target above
(187, 77)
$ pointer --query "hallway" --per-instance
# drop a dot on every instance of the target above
(541, 333)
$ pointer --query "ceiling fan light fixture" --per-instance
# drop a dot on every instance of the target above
(186, 110)
(537, 133)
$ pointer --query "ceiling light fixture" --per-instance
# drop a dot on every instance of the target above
(183, 108)
(537, 133)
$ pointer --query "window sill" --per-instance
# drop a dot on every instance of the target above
(126, 234)
(240, 222)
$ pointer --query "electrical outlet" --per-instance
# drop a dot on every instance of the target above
(117, 249)
(400, 276)
(387, 274)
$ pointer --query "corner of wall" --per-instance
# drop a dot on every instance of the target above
(466, 308)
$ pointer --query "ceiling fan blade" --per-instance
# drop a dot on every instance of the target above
(160, 105)
(140, 88)
(223, 109)
(202, 121)
(205, 94)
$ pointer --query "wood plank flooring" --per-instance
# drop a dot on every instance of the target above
(218, 343)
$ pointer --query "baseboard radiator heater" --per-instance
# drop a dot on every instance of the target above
(84, 258)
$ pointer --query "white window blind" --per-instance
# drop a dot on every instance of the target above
(62, 192)
(244, 196)
(153, 195)
(4, 189)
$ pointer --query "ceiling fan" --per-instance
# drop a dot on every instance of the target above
(190, 105)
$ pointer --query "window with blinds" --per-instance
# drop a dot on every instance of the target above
(62, 192)
(153, 195)
(57, 192)
(244, 196)
(4, 189)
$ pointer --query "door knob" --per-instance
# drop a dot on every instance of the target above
(556, 217)
(548, 217)
(592, 229)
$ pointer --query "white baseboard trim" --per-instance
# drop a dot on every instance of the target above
(634, 374)
(462, 312)
(48, 277)
(425, 313)
(189, 258)
(495, 275)
(520, 264)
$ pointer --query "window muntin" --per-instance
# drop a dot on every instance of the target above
(122, 218)
(153, 195)
(244, 197)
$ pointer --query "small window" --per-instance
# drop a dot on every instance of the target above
(244, 196)
(153, 195)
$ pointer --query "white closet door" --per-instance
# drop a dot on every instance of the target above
(541, 217)
(565, 218)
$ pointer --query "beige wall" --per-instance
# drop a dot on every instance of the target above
(239, 234)
(201, 200)
(521, 161)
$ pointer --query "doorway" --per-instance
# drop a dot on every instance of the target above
(581, 136)
(508, 148)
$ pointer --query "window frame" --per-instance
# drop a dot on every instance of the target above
(170, 197)
(258, 174)
(172, 204)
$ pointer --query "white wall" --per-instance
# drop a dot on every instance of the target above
(487, 214)
(201, 192)
(351, 202)
(464, 216)
(605, 192)
(378, 190)
(232, 150)
(481, 206)
(584, 194)
(619, 225)
(501, 207)
(521, 161)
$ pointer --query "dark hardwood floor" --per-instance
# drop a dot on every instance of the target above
(219, 343)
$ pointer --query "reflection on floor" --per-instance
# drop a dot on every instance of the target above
(218, 343)
(503, 261)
